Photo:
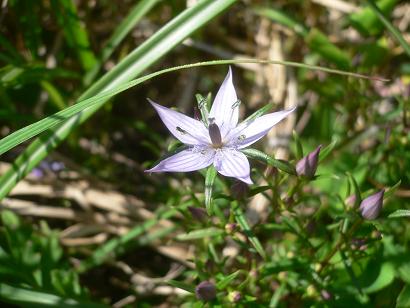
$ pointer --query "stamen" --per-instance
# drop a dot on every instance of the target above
(215, 135)
(236, 104)
(241, 137)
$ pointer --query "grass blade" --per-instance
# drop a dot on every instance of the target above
(198, 234)
(27, 297)
(209, 183)
(243, 223)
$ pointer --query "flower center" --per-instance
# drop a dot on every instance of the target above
(215, 135)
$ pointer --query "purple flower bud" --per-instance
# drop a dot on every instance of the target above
(205, 291)
(307, 165)
(371, 206)
(230, 228)
(326, 295)
(197, 213)
(351, 201)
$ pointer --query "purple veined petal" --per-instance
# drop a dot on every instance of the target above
(247, 133)
(184, 128)
(225, 108)
(232, 163)
(191, 159)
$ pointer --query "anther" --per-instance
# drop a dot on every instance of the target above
(215, 135)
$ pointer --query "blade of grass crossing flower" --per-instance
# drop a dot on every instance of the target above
(78, 113)
(124, 28)
(209, 183)
(397, 35)
(140, 59)
(280, 164)
(243, 223)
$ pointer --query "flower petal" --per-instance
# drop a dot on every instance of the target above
(184, 128)
(225, 109)
(247, 133)
(230, 162)
(191, 159)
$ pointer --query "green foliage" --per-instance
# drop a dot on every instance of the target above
(33, 258)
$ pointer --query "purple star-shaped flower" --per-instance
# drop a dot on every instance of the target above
(220, 140)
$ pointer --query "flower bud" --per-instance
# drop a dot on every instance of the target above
(230, 228)
(371, 206)
(205, 291)
(307, 165)
(326, 295)
(234, 296)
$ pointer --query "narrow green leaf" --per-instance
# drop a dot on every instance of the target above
(400, 213)
(324, 152)
(319, 43)
(223, 283)
(356, 189)
(243, 223)
(403, 300)
(182, 285)
(198, 234)
(203, 108)
(367, 22)
(299, 147)
(209, 183)
(384, 278)
(396, 33)
(277, 163)
(27, 297)
(275, 299)
(259, 112)
(282, 18)
(390, 191)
